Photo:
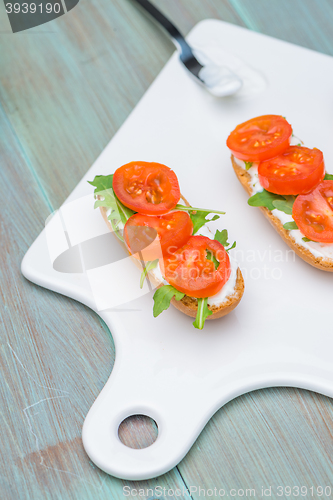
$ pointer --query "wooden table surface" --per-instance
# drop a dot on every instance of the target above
(65, 89)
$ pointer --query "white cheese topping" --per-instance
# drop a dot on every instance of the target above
(228, 289)
(253, 173)
(317, 249)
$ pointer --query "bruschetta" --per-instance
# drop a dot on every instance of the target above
(289, 183)
(169, 241)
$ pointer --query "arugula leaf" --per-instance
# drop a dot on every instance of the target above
(103, 188)
(248, 164)
(211, 256)
(232, 246)
(222, 237)
(116, 229)
(193, 209)
(149, 266)
(306, 239)
(285, 205)
(102, 183)
(328, 177)
(119, 213)
(289, 226)
(264, 199)
(202, 313)
(162, 298)
(125, 213)
(200, 219)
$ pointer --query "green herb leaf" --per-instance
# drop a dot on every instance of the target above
(264, 199)
(193, 209)
(162, 298)
(116, 228)
(285, 205)
(306, 239)
(299, 144)
(211, 256)
(149, 266)
(289, 226)
(125, 213)
(232, 246)
(119, 213)
(248, 164)
(202, 313)
(222, 237)
(200, 219)
(328, 177)
(102, 183)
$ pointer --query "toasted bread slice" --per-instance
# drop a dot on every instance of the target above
(319, 262)
(188, 305)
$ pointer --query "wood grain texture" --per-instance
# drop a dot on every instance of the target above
(273, 437)
(55, 358)
(65, 89)
(302, 22)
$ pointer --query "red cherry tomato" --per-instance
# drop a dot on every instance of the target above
(191, 272)
(313, 213)
(147, 188)
(295, 171)
(157, 236)
(260, 138)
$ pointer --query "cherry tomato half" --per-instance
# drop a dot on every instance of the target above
(295, 171)
(260, 138)
(147, 188)
(313, 213)
(173, 231)
(191, 272)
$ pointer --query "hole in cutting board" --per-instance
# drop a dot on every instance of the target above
(138, 431)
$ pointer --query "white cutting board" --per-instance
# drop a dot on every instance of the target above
(281, 334)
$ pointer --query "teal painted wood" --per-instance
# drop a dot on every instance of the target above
(65, 89)
(55, 357)
(81, 80)
(274, 438)
(297, 21)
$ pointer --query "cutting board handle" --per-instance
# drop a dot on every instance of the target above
(134, 389)
(102, 443)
